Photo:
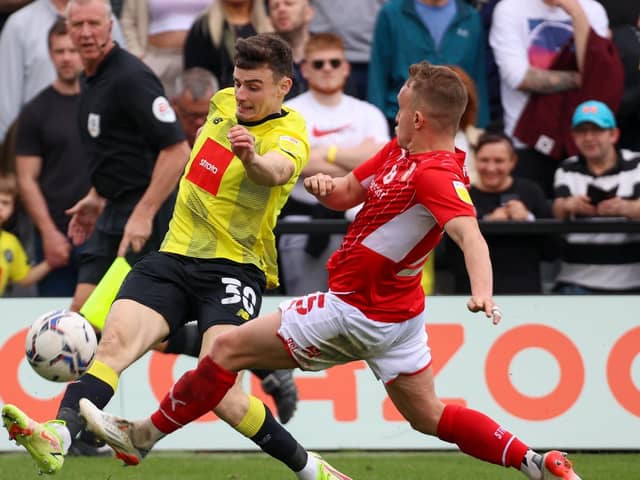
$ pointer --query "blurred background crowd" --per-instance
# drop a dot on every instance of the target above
(550, 130)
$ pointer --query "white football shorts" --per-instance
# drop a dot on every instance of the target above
(320, 330)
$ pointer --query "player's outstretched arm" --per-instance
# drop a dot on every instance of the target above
(270, 169)
(464, 231)
(339, 193)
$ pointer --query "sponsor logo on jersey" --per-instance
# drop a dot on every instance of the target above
(162, 110)
(290, 145)
(217, 120)
(462, 192)
(8, 255)
(93, 125)
(208, 166)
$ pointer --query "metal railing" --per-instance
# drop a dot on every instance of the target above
(538, 227)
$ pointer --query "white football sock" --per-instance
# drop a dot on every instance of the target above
(310, 470)
(64, 433)
(532, 465)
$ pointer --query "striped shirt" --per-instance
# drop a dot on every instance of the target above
(603, 261)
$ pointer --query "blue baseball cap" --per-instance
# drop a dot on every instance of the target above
(594, 112)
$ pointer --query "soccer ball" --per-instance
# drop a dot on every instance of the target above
(61, 345)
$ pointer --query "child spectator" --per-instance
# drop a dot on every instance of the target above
(14, 266)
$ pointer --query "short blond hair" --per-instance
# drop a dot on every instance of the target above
(440, 93)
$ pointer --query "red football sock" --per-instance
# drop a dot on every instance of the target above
(479, 436)
(193, 395)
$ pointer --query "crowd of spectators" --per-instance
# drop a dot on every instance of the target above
(529, 68)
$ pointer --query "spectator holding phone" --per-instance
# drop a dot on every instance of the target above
(499, 196)
(601, 181)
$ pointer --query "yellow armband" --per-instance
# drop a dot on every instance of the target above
(331, 154)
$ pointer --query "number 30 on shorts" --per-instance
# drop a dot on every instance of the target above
(236, 293)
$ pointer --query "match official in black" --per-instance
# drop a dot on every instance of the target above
(137, 150)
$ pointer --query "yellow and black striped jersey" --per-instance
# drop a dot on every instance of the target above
(220, 212)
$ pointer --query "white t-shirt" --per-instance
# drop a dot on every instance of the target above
(345, 125)
(531, 33)
(174, 15)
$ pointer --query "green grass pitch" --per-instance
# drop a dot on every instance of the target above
(359, 465)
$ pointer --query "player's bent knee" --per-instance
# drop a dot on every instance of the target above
(225, 350)
(110, 344)
(116, 339)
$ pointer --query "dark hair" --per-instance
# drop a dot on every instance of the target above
(58, 29)
(494, 137)
(265, 49)
(440, 93)
(9, 184)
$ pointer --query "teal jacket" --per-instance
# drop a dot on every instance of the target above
(401, 39)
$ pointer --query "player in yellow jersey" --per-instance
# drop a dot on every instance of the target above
(214, 264)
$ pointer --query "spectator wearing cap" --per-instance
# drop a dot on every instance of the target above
(551, 55)
(601, 181)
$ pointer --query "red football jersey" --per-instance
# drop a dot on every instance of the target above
(410, 198)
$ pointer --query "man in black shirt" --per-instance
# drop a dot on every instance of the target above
(49, 151)
(136, 152)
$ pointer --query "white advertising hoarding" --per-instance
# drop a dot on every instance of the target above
(559, 371)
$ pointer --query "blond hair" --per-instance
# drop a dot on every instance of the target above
(216, 18)
(440, 93)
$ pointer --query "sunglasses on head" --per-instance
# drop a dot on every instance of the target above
(319, 64)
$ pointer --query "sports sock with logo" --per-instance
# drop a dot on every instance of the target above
(259, 425)
(481, 437)
(97, 385)
(193, 395)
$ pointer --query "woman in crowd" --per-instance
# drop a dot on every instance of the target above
(156, 30)
(499, 196)
(212, 37)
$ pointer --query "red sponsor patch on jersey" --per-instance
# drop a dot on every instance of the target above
(209, 165)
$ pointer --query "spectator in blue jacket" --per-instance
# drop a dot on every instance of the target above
(445, 32)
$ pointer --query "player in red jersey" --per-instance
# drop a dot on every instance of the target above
(413, 189)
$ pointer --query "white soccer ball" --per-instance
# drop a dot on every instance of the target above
(61, 345)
